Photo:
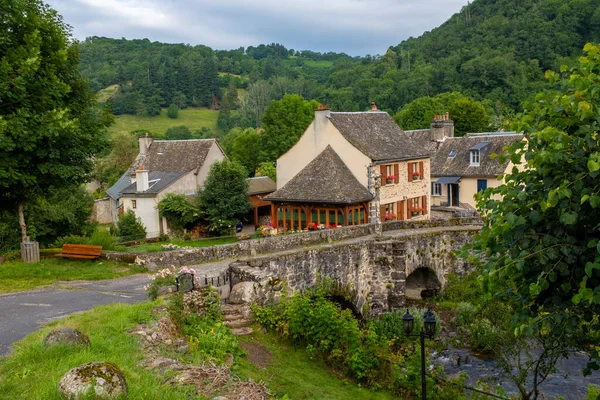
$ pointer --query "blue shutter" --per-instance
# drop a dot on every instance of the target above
(481, 184)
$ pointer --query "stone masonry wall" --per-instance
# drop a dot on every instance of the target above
(253, 247)
(374, 269)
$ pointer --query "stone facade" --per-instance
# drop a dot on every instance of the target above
(405, 190)
(103, 211)
(375, 270)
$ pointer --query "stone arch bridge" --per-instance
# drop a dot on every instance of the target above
(380, 272)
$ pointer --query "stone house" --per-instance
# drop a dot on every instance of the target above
(164, 166)
(351, 168)
(462, 166)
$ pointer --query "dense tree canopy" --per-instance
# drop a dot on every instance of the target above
(541, 241)
(49, 126)
(224, 197)
(285, 121)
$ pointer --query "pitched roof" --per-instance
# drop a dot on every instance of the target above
(115, 190)
(422, 137)
(261, 184)
(326, 179)
(157, 181)
(175, 155)
(460, 164)
(376, 135)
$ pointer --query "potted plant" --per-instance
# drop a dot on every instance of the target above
(389, 217)
(416, 176)
(414, 211)
(389, 179)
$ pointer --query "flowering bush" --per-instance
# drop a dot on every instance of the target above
(417, 210)
(263, 231)
(166, 277)
(332, 226)
(312, 226)
(390, 217)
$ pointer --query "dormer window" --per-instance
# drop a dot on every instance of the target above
(475, 153)
(475, 158)
(452, 153)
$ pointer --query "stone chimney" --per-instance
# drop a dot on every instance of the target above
(141, 179)
(373, 106)
(144, 143)
(442, 127)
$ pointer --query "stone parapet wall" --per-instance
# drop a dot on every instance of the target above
(243, 248)
(253, 247)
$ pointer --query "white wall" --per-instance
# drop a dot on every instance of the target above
(214, 154)
(146, 211)
(315, 139)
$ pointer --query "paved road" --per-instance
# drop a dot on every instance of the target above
(24, 312)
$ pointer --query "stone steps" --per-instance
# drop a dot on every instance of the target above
(235, 318)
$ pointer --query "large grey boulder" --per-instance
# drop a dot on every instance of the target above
(69, 336)
(243, 293)
(104, 379)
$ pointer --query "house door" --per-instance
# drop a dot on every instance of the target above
(481, 184)
(453, 198)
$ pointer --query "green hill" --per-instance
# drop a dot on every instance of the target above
(192, 117)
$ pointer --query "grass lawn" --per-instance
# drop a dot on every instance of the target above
(33, 372)
(193, 118)
(17, 276)
(293, 372)
(154, 247)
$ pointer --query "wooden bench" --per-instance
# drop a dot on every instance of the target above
(80, 251)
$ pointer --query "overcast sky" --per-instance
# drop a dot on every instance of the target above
(355, 27)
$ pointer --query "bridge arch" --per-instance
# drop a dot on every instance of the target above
(422, 283)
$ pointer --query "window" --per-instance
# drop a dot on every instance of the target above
(481, 184)
(134, 204)
(436, 189)
(452, 153)
(475, 156)
(415, 171)
(389, 212)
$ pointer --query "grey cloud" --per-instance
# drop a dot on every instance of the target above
(355, 27)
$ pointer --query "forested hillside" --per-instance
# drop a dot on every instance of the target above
(491, 49)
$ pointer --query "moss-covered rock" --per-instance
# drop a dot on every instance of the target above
(68, 336)
(103, 379)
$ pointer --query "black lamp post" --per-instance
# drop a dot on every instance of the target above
(428, 331)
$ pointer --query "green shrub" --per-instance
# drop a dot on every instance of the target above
(390, 326)
(173, 111)
(209, 338)
(71, 239)
(485, 336)
(467, 288)
(130, 228)
(465, 313)
(102, 237)
(593, 392)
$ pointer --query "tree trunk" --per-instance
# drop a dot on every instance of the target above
(24, 237)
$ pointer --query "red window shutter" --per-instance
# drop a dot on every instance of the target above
(421, 169)
(400, 211)
(382, 212)
(396, 173)
(383, 172)
(424, 201)
(410, 171)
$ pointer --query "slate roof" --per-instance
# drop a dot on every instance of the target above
(261, 184)
(157, 182)
(422, 137)
(460, 164)
(376, 135)
(115, 190)
(326, 179)
(175, 155)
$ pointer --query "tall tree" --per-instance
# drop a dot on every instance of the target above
(224, 197)
(541, 240)
(243, 146)
(50, 127)
(285, 121)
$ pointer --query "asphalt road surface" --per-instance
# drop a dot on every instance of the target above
(24, 312)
